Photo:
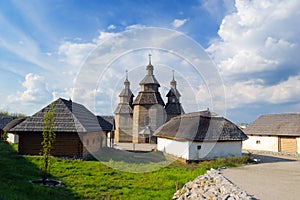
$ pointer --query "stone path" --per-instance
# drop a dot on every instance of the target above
(273, 178)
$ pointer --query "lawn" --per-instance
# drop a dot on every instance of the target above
(95, 180)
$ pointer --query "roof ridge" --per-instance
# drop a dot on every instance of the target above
(270, 114)
(199, 113)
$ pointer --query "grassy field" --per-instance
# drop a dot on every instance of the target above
(95, 180)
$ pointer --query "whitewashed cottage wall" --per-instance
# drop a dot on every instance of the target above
(261, 143)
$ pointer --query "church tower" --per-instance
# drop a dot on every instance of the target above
(148, 108)
(173, 106)
(123, 114)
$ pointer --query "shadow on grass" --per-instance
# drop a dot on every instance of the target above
(133, 162)
(15, 174)
(136, 157)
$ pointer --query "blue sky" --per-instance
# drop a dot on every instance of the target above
(254, 44)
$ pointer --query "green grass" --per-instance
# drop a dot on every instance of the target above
(95, 180)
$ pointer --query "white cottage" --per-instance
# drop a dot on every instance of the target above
(200, 136)
(274, 132)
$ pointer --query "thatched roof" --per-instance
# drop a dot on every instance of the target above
(13, 123)
(70, 117)
(4, 120)
(106, 122)
(200, 126)
(275, 124)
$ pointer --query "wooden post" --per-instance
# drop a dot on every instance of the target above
(177, 186)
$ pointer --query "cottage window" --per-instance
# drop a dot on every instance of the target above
(257, 141)
(198, 147)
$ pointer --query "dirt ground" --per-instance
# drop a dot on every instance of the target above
(272, 178)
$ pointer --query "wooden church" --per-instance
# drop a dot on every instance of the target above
(136, 119)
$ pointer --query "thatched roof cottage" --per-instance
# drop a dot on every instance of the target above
(199, 136)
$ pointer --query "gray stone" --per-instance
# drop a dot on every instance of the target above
(212, 185)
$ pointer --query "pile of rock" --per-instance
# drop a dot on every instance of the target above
(212, 185)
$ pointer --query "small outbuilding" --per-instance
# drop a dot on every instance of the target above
(274, 132)
(200, 136)
(78, 132)
(4, 120)
(12, 137)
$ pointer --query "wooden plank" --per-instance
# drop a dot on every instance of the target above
(66, 144)
(288, 144)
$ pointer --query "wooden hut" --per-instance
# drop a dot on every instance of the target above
(199, 136)
(78, 132)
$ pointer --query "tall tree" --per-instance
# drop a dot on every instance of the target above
(48, 139)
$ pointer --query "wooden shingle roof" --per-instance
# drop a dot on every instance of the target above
(200, 126)
(173, 92)
(13, 123)
(4, 120)
(149, 79)
(106, 122)
(123, 108)
(275, 124)
(149, 98)
(70, 117)
(174, 108)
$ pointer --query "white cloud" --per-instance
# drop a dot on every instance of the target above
(179, 22)
(260, 35)
(35, 90)
(75, 53)
(218, 8)
(135, 26)
(257, 42)
(255, 91)
(65, 93)
(111, 27)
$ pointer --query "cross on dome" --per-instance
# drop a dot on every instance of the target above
(149, 58)
(173, 82)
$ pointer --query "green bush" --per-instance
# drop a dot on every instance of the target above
(5, 135)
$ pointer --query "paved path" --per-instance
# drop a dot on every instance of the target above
(273, 178)
(135, 147)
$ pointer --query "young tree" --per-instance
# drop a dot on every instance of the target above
(5, 135)
(48, 139)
